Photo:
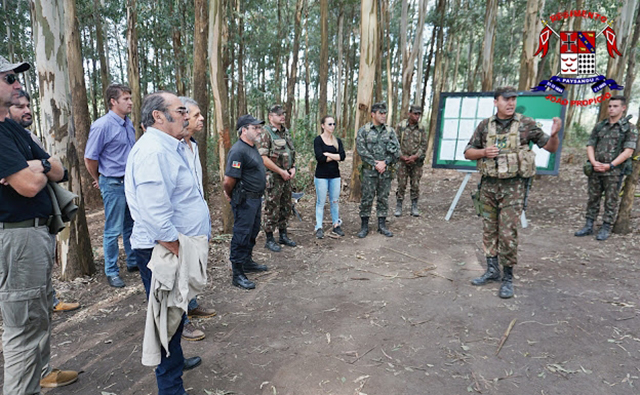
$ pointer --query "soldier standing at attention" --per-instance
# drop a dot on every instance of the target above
(279, 157)
(611, 144)
(500, 144)
(413, 150)
(378, 147)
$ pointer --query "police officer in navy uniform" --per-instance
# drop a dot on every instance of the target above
(244, 184)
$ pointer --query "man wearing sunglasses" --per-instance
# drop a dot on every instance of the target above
(378, 147)
(26, 250)
(110, 139)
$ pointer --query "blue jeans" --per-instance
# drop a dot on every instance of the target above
(169, 372)
(333, 186)
(117, 221)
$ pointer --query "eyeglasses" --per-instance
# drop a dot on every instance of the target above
(255, 127)
(332, 124)
(10, 78)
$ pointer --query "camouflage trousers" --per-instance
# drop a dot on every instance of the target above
(375, 184)
(502, 204)
(414, 173)
(277, 203)
(608, 185)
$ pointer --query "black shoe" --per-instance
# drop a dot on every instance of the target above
(239, 279)
(337, 231)
(115, 281)
(382, 227)
(492, 273)
(414, 208)
(319, 233)
(284, 239)
(398, 211)
(133, 269)
(190, 363)
(506, 289)
(271, 243)
(364, 227)
(587, 230)
(252, 266)
(604, 232)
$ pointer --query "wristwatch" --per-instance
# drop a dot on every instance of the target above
(46, 164)
(611, 166)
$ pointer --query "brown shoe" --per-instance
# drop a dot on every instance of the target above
(191, 333)
(58, 378)
(201, 312)
(62, 306)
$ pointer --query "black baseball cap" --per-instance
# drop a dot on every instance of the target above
(248, 120)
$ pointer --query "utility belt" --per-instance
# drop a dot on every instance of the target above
(240, 194)
(29, 223)
(366, 166)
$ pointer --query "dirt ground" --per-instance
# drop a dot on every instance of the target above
(382, 316)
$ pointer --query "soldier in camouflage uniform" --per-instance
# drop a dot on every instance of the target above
(378, 148)
(413, 150)
(611, 144)
(500, 144)
(279, 157)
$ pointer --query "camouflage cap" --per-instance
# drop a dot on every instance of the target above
(248, 120)
(415, 109)
(276, 109)
(17, 67)
(506, 92)
(381, 107)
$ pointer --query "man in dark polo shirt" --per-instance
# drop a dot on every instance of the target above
(244, 184)
(26, 249)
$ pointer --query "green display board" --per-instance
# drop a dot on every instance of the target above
(460, 113)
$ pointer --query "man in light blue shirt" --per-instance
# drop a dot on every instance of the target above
(110, 139)
(165, 200)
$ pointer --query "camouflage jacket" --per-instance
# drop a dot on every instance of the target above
(280, 150)
(377, 143)
(413, 140)
(529, 132)
(606, 141)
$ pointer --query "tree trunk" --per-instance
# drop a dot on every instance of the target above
(615, 67)
(216, 46)
(409, 55)
(241, 97)
(307, 75)
(338, 104)
(623, 222)
(490, 22)
(102, 51)
(437, 77)
(631, 65)
(390, 96)
(293, 74)
(383, 14)
(176, 40)
(133, 65)
(200, 91)
(530, 33)
(366, 77)
(429, 59)
(323, 73)
(73, 244)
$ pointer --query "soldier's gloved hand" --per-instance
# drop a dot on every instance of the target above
(491, 152)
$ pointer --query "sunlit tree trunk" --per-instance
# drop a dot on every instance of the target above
(437, 76)
(338, 101)
(490, 22)
(293, 73)
(200, 91)
(530, 33)
(49, 28)
(623, 222)
(133, 65)
(219, 89)
(366, 77)
(241, 96)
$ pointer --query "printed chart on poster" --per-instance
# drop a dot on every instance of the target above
(460, 113)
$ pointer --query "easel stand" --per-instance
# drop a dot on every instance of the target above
(467, 176)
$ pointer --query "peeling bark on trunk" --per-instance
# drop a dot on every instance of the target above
(49, 26)
(490, 21)
(132, 66)
(366, 78)
(200, 91)
(530, 33)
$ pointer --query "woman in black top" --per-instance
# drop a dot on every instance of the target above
(329, 150)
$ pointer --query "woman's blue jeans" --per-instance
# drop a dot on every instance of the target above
(324, 185)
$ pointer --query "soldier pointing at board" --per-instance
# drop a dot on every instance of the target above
(500, 144)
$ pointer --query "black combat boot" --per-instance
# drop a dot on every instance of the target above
(364, 227)
(382, 227)
(252, 266)
(414, 208)
(271, 243)
(398, 211)
(492, 273)
(604, 232)
(506, 289)
(239, 279)
(587, 230)
(284, 239)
